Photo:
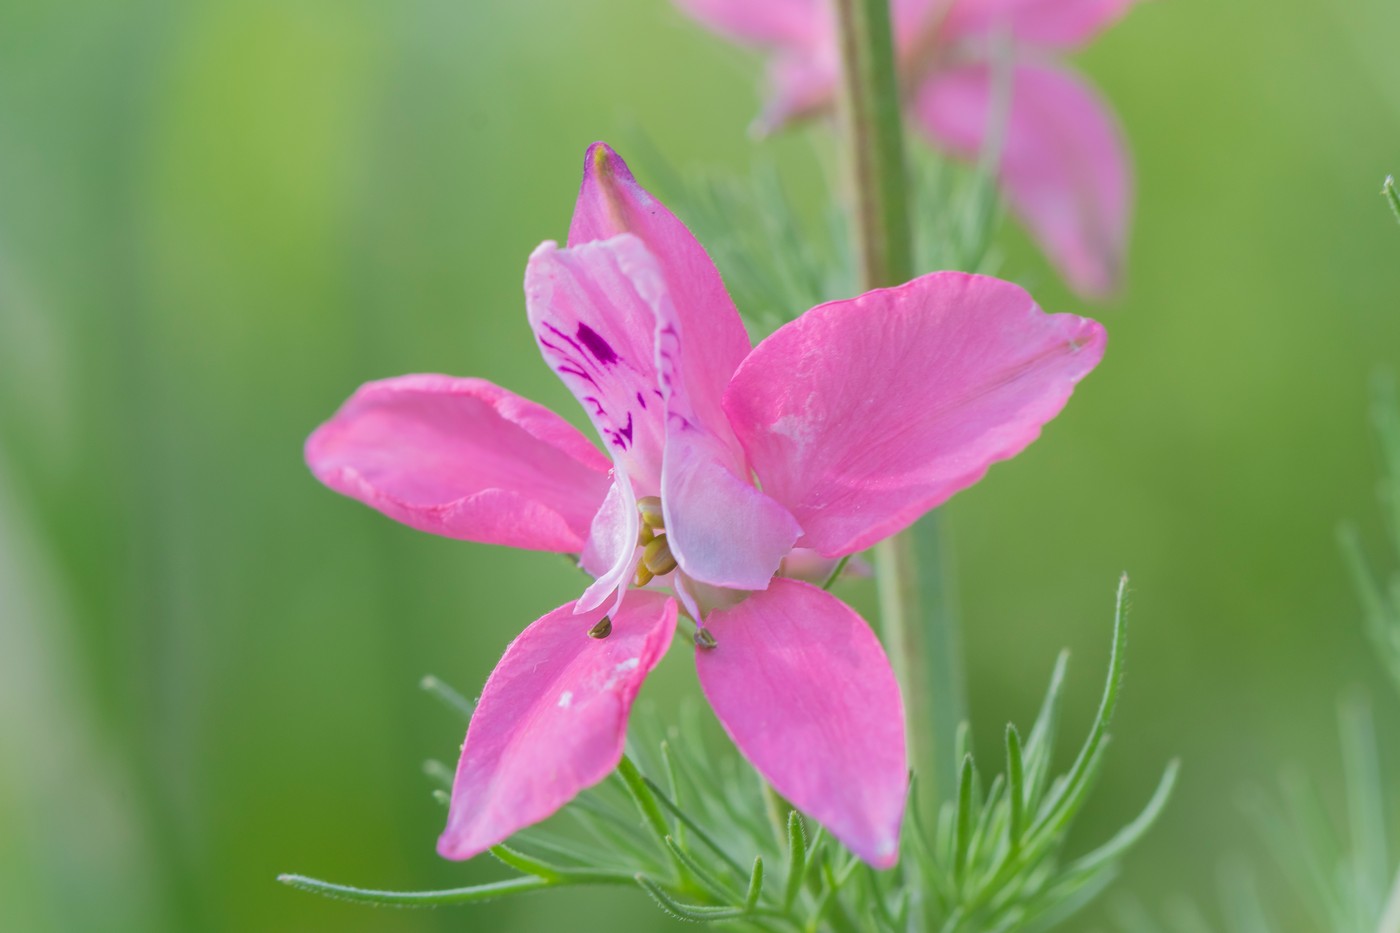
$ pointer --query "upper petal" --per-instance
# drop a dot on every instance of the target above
(1064, 166)
(803, 687)
(611, 202)
(463, 458)
(861, 415)
(598, 333)
(552, 719)
(1054, 24)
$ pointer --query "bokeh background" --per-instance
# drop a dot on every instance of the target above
(217, 217)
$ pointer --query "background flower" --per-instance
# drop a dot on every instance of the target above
(979, 77)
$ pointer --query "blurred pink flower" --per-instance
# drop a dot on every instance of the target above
(856, 418)
(1064, 167)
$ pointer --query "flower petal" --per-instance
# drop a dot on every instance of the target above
(463, 458)
(800, 84)
(770, 23)
(612, 553)
(552, 719)
(861, 415)
(611, 202)
(721, 530)
(1055, 24)
(1064, 166)
(803, 687)
(598, 334)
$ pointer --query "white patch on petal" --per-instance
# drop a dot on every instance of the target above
(620, 669)
(566, 699)
(796, 428)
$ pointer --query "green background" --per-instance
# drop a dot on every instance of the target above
(219, 217)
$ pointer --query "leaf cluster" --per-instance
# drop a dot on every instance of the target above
(709, 842)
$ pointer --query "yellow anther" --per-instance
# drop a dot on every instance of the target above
(644, 536)
(657, 557)
(649, 507)
(602, 630)
(643, 576)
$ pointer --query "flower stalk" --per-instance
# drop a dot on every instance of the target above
(916, 610)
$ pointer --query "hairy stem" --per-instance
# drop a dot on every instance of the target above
(916, 612)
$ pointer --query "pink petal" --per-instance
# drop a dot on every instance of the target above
(612, 553)
(611, 202)
(1064, 166)
(598, 333)
(721, 530)
(463, 458)
(1055, 24)
(801, 83)
(861, 415)
(803, 687)
(769, 22)
(552, 719)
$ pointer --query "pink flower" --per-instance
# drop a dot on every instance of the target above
(1064, 166)
(854, 420)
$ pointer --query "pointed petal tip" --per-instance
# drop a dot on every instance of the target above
(884, 855)
(601, 162)
(544, 249)
(452, 849)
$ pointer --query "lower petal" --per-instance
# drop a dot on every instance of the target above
(804, 689)
(552, 719)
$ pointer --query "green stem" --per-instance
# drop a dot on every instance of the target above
(915, 603)
(875, 142)
(472, 895)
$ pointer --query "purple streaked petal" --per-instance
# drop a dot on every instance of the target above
(861, 415)
(610, 202)
(552, 719)
(804, 689)
(465, 459)
(597, 333)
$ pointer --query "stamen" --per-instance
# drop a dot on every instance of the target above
(644, 536)
(649, 507)
(657, 557)
(603, 629)
(703, 639)
(643, 576)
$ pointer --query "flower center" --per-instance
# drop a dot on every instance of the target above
(657, 559)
